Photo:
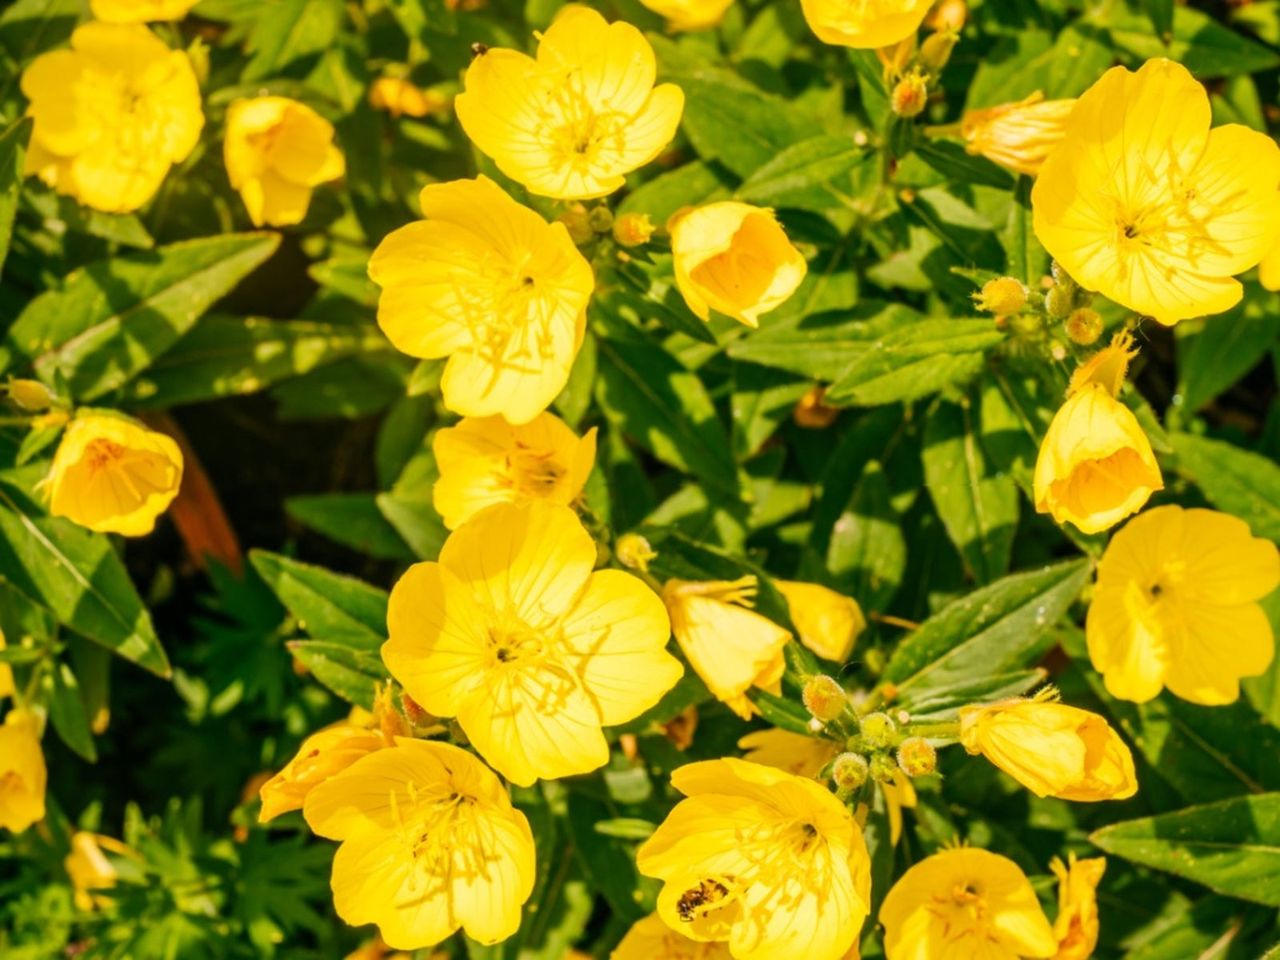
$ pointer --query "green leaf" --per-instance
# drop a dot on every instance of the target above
(1236, 481)
(78, 576)
(802, 172)
(1002, 627)
(326, 604)
(295, 30)
(607, 859)
(952, 161)
(108, 321)
(867, 552)
(978, 506)
(781, 713)
(353, 519)
(1161, 14)
(665, 408)
(1232, 846)
(943, 703)
(1200, 43)
(414, 517)
(67, 713)
(350, 673)
(13, 151)
(1027, 259)
(1224, 350)
(685, 186)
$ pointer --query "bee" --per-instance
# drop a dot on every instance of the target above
(706, 892)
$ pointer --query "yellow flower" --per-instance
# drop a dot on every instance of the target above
(733, 258)
(494, 287)
(485, 460)
(514, 635)
(1052, 749)
(22, 772)
(793, 752)
(1096, 466)
(399, 97)
(731, 647)
(113, 475)
(770, 862)
(276, 151)
(866, 24)
(899, 795)
(690, 14)
(1018, 136)
(139, 11)
(1076, 926)
(1269, 269)
(112, 115)
(828, 622)
(1176, 605)
(964, 903)
(1147, 205)
(574, 122)
(430, 843)
(323, 755)
(6, 674)
(652, 939)
(90, 869)
(1001, 296)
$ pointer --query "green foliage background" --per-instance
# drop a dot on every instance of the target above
(316, 435)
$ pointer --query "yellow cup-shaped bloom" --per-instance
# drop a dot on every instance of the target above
(652, 939)
(22, 772)
(400, 97)
(771, 863)
(572, 123)
(732, 647)
(866, 25)
(485, 460)
(733, 258)
(323, 755)
(1018, 136)
(1147, 205)
(965, 903)
(139, 11)
(1176, 605)
(828, 622)
(113, 475)
(512, 633)
(112, 115)
(492, 286)
(430, 843)
(1076, 925)
(1052, 749)
(1269, 269)
(1096, 466)
(792, 752)
(277, 151)
(690, 14)
(90, 868)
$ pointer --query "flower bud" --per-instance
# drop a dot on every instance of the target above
(1059, 301)
(883, 768)
(909, 96)
(578, 222)
(824, 697)
(849, 771)
(1002, 296)
(633, 229)
(601, 219)
(948, 15)
(917, 756)
(634, 552)
(30, 396)
(811, 413)
(1084, 326)
(878, 730)
(936, 50)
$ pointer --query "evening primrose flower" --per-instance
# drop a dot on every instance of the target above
(965, 903)
(513, 634)
(493, 287)
(769, 862)
(430, 843)
(793, 752)
(735, 259)
(112, 115)
(1148, 206)
(1096, 465)
(1176, 605)
(89, 867)
(277, 151)
(113, 475)
(22, 771)
(731, 647)
(401, 97)
(867, 24)
(652, 939)
(828, 622)
(1076, 926)
(1018, 136)
(323, 755)
(572, 123)
(1052, 749)
(139, 11)
(485, 460)
(690, 14)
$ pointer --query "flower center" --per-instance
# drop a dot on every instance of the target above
(533, 472)
(102, 454)
(512, 641)
(581, 134)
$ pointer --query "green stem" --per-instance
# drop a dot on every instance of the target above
(941, 730)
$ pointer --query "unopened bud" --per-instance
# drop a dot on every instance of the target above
(601, 219)
(917, 756)
(1084, 326)
(633, 229)
(578, 222)
(909, 95)
(31, 396)
(949, 15)
(883, 768)
(1002, 296)
(824, 697)
(849, 771)
(936, 50)
(878, 730)
(1059, 301)
(810, 412)
(1027, 324)
(633, 551)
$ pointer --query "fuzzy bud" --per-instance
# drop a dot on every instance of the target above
(883, 768)
(1002, 296)
(824, 697)
(30, 396)
(601, 218)
(878, 730)
(1084, 326)
(849, 771)
(578, 222)
(633, 229)
(936, 50)
(634, 552)
(910, 94)
(1059, 301)
(917, 756)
